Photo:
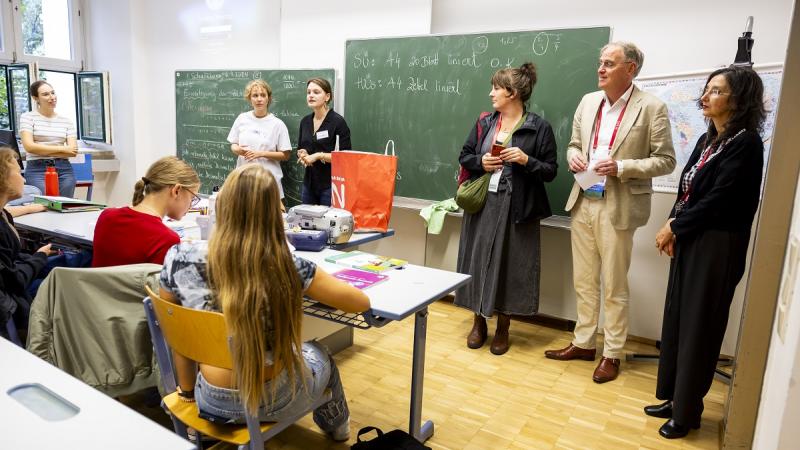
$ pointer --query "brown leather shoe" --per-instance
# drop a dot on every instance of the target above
(477, 337)
(500, 342)
(571, 352)
(607, 370)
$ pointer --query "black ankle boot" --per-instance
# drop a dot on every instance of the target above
(664, 410)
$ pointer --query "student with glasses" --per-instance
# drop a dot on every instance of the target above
(137, 234)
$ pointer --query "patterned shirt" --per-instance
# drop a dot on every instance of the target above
(185, 274)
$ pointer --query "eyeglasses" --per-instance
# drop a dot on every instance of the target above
(608, 64)
(195, 198)
(714, 91)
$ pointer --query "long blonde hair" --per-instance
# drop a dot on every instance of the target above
(254, 279)
(164, 173)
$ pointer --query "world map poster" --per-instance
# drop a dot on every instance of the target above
(680, 93)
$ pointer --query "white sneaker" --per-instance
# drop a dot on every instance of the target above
(342, 432)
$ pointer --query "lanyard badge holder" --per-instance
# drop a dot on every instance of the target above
(598, 190)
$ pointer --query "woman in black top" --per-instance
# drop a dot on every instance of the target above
(707, 236)
(17, 270)
(320, 132)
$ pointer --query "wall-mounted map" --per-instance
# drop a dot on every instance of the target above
(680, 93)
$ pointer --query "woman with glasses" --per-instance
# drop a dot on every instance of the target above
(707, 235)
(137, 234)
(49, 140)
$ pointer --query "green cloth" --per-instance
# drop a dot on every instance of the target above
(90, 323)
(435, 213)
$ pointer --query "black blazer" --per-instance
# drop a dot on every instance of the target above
(535, 137)
(725, 192)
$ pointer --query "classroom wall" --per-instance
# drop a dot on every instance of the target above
(152, 39)
(683, 40)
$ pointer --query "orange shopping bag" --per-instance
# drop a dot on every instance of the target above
(363, 183)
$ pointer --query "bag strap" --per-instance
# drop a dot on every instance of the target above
(483, 115)
(386, 151)
(366, 430)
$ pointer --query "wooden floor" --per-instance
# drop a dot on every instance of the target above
(520, 400)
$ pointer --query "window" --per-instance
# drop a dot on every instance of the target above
(40, 40)
(19, 80)
(64, 85)
(5, 112)
(94, 123)
(46, 28)
(45, 31)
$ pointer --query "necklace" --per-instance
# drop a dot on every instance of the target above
(148, 210)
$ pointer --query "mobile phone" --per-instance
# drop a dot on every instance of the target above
(60, 247)
(496, 149)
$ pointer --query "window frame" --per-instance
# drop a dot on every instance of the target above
(12, 108)
(105, 100)
(7, 42)
(74, 64)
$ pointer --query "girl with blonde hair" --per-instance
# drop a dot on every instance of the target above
(137, 234)
(247, 272)
(257, 135)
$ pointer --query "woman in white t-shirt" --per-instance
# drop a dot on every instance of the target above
(49, 140)
(259, 136)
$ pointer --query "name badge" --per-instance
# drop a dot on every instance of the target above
(494, 180)
(322, 134)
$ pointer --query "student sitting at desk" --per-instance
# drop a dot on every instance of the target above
(137, 234)
(247, 272)
(17, 270)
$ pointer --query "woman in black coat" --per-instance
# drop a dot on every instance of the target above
(707, 236)
(500, 245)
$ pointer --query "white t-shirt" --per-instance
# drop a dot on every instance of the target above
(266, 133)
(46, 130)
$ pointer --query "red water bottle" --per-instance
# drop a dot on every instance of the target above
(51, 181)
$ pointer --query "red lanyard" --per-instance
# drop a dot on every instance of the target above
(497, 130)
(703, 158)
(616, 127)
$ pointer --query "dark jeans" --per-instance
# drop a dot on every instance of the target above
(311, 197)
(35, 169)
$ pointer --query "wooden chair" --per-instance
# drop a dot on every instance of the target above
(202, 337)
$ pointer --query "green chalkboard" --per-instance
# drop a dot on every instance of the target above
(208, 101)
(426, 92)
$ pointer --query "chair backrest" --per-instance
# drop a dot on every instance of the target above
(198, 335)
(83, 171)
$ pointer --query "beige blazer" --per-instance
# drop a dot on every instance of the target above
(643, 144)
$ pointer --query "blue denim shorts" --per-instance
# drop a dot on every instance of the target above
(223, 405)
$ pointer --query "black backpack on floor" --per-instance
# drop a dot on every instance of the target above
(393, 440)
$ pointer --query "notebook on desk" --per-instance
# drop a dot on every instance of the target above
(66, 204)
(367, 261)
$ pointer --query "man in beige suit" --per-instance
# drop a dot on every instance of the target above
(622, 136)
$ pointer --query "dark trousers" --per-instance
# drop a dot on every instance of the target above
(310, 196)
(702, 279)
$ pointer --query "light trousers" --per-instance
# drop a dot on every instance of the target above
(600, 251)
